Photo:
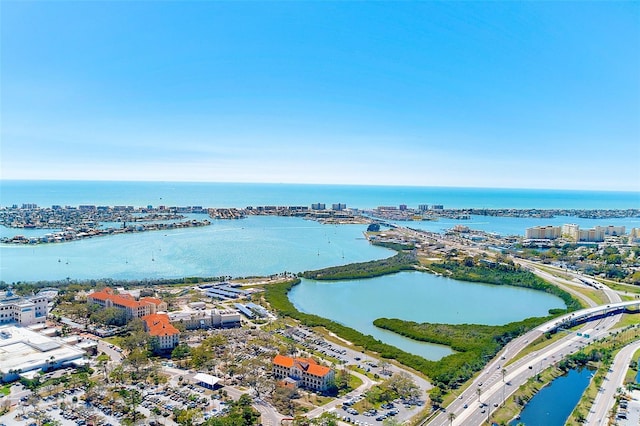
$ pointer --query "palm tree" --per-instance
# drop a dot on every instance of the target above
(479, 392)
(504, 373)
(451, 417)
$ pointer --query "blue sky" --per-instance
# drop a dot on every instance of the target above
(496, 94)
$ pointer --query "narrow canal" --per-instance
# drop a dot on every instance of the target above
(555, 402)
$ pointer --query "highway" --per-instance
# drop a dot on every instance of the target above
(576, 281)
(496, 382)
(495, 386)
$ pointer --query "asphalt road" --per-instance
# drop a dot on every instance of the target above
(494, 387)
(613, 380)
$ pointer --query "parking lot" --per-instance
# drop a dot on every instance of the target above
(398, 408)
(69, 407)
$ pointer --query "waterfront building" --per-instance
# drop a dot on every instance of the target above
(160, 327)
(634, 235)
(318, 206)
(339, 207)
(133, 308)
(304, 371)
(596, 234)
(461, 228)
(423, 207)
(611, 231)
(543, 232)
(23, 311)
(571, 231)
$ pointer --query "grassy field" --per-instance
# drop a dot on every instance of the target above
(628, 319)
(632, 373)
(629, 288)
(540, 343)
(597, 296)
(5, 390)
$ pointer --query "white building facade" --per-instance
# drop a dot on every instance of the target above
(23, 311)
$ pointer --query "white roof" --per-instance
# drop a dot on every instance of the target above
(206, 378)
(27, 350)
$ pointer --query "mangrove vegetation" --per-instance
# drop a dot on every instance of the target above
(474, 344)
(402, 261)
(501, 273)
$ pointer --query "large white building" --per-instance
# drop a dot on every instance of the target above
(24, 352)
(543, 232)
(20, 310)
(214, 318)
(571, 231)
(594, 235)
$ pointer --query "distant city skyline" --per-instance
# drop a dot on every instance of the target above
(460, 94)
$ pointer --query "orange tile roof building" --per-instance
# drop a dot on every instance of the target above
(305, 371)
(107, 298)
(159, 326)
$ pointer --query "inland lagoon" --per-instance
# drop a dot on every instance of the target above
(420, 297)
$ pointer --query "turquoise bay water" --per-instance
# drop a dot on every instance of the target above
(555, 402)
(268, 245)
(257, 245)
(499, 225)
(47, 193)
(420, 297)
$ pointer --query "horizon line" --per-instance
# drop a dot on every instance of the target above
(322, 184)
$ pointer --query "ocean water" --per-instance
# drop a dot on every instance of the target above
(47, 193)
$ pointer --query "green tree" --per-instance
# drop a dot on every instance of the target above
(436, 397)
(181, 351)
(187, 417)
(137, 359)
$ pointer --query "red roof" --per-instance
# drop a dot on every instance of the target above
(153, 300)
(160, 325)
(123, 299)
(283, 361)
(305, 364)
(117, 299)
